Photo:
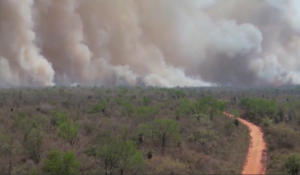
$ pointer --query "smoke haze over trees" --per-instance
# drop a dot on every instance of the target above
(151, 42)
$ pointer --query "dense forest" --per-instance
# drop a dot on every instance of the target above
(134, 130)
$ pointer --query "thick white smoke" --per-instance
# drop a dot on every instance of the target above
(20, 60)
(149, 42)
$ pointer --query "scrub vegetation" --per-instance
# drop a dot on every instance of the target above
(134, 130)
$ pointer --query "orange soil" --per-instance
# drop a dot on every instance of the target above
(256, 154)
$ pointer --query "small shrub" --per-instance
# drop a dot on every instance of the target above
(150, 154)
(267, 122)
(236, 122)
(292, 164)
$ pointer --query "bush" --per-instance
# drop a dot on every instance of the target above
(34, 143)
(166, 129)
(100, 107)
(116, 154)
(267, 122)
(292, 164)
(281, 136)
(61, 163)
(236, 122)
(150, 154)
(166, 165)
(69, 131)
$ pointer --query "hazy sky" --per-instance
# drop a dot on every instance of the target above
(151, 42)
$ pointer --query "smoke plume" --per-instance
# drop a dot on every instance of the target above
(150, 42)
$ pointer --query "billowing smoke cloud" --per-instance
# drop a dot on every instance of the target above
(150, 42)
(20, 60)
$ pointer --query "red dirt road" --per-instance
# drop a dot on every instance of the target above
(256, 153)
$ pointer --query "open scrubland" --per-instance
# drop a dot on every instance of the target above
(122, 130)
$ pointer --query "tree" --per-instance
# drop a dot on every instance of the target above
(147, 101)
(281, 136)
(69, 131)
(34, 143)
(58, 117)
(130, 157)
(205, 137)
(177, 93)
(256, 109)
(279, 115)
(185, 108)
(198, 108)
(146, 113)
(292, 164)
(145, 132)
(40, 120)
(212, 106)
(127, 109)
(9, 148)
(100, 107)
(165, 129)
(116, 154)
(24, 124)
(61, 163)
(207, 105)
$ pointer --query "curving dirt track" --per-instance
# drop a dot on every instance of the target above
(255, 163)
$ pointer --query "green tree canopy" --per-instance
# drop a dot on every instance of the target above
(34, 143)
(208, 105)
(61, 163)
(9, 148)
(116, 154)
(69, 130)
(165, 129)
(256, 107)
(292, 164)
